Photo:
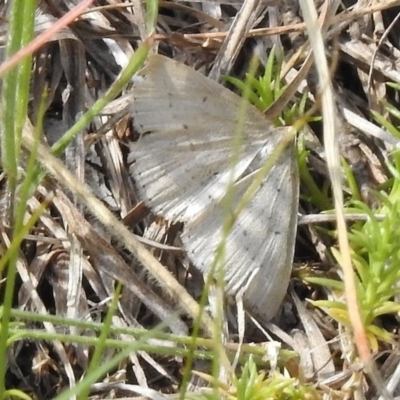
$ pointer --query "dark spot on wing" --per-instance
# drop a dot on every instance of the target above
(185, 127)
(169, 101)
(205, 99)
(143, 132)
(249, 253)
(277, 233)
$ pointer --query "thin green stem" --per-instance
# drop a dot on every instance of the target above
(15, 93)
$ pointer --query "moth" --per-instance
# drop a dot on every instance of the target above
(181, 166)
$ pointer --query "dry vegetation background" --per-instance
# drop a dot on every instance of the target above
(69, 264)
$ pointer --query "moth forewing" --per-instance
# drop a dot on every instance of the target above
(264, 293)
(182, 167)
(259, 247)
